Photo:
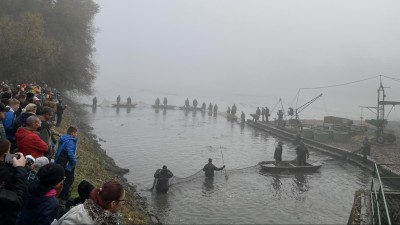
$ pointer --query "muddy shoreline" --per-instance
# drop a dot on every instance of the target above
(77, 116)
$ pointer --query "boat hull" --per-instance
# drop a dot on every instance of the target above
(123, 105)
(289, 166)
(163, 106)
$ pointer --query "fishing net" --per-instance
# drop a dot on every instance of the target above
(200, 174)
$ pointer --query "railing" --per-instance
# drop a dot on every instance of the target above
(382, 212)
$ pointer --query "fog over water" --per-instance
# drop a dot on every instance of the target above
(248, 53)
(261, 49)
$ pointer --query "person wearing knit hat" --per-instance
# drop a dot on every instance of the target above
(38, 163)
(41, 205)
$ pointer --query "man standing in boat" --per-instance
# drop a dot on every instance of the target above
(163, 175)
(157, 102)
(165, 101)
(118, 99)
(209, 169)
(187, 103)
(278, 153)
(302, 154)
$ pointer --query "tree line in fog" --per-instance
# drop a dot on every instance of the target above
(50, 40)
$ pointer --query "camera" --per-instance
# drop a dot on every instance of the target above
(8, 158)
(29, 162)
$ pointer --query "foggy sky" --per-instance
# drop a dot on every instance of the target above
(267, 48)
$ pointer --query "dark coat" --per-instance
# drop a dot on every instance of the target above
(12, 192)
(38, 210)
(209, 169)
(163, 177)
(278, 153)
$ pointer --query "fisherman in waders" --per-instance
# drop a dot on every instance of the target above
(162, 176)
(195, 103)
(278, 153)
(210, 108)
(366, 148)
(234, 109)
(302, 154)
(157, 102)
(203, 106)
(129, 100)
(263, 113)
(229, 110)
(209, 169)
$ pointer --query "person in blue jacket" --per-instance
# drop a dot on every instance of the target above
(66, 157)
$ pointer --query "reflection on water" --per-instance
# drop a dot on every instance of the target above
(185, 142)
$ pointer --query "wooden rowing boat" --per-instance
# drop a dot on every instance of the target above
(124, 105)
(290, 166)
(190, 108)
(163, 106)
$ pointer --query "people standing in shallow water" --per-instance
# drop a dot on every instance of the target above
(215, 108)
(210, 107)
(118, 99)
(203, 106)
(234, 109)
(163, 175)
(302, 154)
(165, 101)
(278, 153)
(195, 103)
(94, 105)
(187, 102)
(157, 103)
(209, 169)
(129, 100)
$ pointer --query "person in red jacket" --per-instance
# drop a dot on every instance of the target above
(28, 142)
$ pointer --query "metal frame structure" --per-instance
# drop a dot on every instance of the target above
(379, 205)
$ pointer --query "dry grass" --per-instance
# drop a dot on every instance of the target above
(92, 166)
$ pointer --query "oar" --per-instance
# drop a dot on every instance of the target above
(222, 154)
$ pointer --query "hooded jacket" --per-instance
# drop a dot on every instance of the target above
(39, 209)
(65, 154)
(29, 143)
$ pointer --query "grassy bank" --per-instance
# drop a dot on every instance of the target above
(96, 167)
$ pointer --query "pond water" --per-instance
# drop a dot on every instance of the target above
(143, 140)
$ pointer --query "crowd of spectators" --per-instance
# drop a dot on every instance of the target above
(34, 177)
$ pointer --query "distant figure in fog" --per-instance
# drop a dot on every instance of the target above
(215, 108)
(195, 103)
(263, 113)
(243, 117)
(258, 112)
(228, 111)
(157, 103)
(118, 99)
(187, 103)
(203, 106)
(163, 176)
(266, 114)
(165, 101)
(366, 148)
(94, 105)
(234, 109)
(129, 100)
(209, 169)
(210, 107)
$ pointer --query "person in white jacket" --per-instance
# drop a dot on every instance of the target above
(99, 209)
